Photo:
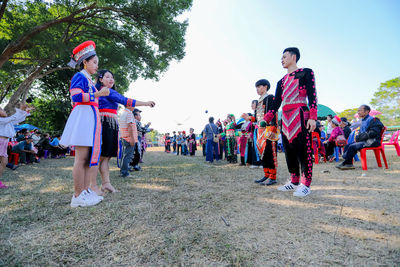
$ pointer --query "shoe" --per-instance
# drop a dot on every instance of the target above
(253, 166)
(83, 200)
(287, 187)
(94, 195)
(302, 191)
(137, 168)
(269, 181)
(262, 179)
(344, 166)
(261, 167)
(2, 185)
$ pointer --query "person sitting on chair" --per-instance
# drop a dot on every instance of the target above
(330, 144)
(368, 136)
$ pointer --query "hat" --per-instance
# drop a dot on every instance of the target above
(263, 82)
(344, 120)
(136, 110)
(336, 120)
(82, 52)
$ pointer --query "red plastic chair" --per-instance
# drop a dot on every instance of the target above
(377, 150)
(316, 151)
(14, 158)
(394, 141)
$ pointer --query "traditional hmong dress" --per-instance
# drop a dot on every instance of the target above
(108, 106)
(231, 145)
(292, 92)
(192, 144)
(243, 142)
(266, 135)
(83, 127)
(251, 156)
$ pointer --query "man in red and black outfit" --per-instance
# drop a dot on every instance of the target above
(298, 121)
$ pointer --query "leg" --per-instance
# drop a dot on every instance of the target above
(78, 171)
(126, 158)
(215, 146)
(105, 175)
(209, 151)
(3, 163)
(351, 150)
(291, 160)
(306, 157)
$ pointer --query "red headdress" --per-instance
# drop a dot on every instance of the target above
(82, 52)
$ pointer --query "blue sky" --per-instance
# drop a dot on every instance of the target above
(352, 46)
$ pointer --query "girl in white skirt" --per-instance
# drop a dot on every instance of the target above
(83, 128)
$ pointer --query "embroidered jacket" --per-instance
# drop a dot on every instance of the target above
(292, 92)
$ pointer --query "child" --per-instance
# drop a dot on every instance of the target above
(7, 131)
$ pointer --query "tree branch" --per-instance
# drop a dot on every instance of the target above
(18, 46)
(51, 71)
(3, 8)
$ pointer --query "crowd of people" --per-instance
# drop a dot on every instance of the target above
(25, 147)
(96, 134)
(256, 137)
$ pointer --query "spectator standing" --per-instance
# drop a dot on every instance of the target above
(210, 130)
(129, 139)
(7, 131)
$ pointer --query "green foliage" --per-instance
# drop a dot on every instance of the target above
(348, 113)
(387, 101)
(133, 39)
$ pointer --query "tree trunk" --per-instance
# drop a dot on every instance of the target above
(23, 89)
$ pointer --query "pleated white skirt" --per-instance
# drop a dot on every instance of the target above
(79, 129)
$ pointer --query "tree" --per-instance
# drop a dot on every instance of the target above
(136, 38)
(348, 113)
(387, 101)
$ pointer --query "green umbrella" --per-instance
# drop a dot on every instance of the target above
(323, 112)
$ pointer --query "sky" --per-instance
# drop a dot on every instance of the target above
(352, 46)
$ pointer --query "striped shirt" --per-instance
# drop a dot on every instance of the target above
(125, 121)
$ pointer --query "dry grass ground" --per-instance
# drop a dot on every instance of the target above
(170, 214)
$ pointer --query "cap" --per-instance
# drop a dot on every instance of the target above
(136, 110)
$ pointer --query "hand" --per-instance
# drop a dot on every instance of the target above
(311, 124)
(29, 109)
(104, 91)
(23, 106)
(151, 104)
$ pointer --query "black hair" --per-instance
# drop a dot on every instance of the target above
(366, 107)
(263, 82)
(254, 101)
(211, 119)
(81, 66)
(100, 75)
(249, 114)
(330, 116)
(293, 51)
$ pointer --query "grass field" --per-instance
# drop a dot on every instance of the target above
(172, 213)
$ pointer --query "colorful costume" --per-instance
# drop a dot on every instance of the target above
(267, 137)
(231, 146)
(192, 144)
(83, 127)
(292, 92)
(108, 106)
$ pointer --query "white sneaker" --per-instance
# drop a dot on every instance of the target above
(261, 167)
(287, 187)
(253, 166)
(302, 191)
(95, 197)
(82, 200)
